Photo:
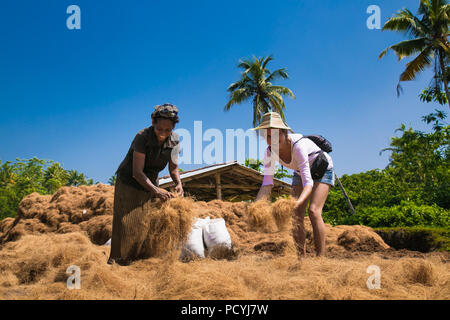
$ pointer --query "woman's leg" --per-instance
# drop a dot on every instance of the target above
(299, 232)
(318, 198)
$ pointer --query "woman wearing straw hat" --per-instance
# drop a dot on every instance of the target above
(137, 183)
(298, 153)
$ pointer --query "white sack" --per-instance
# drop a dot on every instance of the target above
(215, 233)
(193, 247)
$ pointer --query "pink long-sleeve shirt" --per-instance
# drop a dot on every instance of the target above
(303, 155)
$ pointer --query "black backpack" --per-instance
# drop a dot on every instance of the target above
(321, 142)
(320, 164)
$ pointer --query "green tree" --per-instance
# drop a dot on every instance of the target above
(55, 177)
(25, 176)
(76, 178)
(428, 35)
(415, 182)
(112, 180)
(258, 165)
(254, 164)
(421, 161)
(256, 84)
(433, 94)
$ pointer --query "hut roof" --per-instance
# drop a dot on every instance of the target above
(229, 181)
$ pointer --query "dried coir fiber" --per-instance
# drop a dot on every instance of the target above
(168, 226)
(34, 265)
(259, 216)
(98, 228)
(282, 211)
(60, 212)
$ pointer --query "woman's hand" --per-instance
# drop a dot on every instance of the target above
(304, 197)
(298, 204)
(179, 190)
(164, 195)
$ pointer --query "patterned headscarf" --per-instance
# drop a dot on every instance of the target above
(166, 110)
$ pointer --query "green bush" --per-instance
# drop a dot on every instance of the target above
(407, 214)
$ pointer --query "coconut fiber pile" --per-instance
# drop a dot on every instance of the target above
(69, 228)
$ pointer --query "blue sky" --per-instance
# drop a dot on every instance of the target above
(79, 96)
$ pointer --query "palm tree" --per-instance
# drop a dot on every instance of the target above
(429, 40)
(76, 178)
(112, 180)
(55, 177)
(256, 84)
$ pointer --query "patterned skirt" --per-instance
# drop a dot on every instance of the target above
(130, 223)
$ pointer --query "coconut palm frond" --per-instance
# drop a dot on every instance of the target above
(416, 66)
(407, 23)
(283, 91)
(278, 74)
(238, 96)
(266, 61)
(409, 47)
(429, 39)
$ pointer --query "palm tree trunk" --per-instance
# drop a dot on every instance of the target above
(444, 76)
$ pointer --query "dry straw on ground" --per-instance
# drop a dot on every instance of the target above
(55, 232)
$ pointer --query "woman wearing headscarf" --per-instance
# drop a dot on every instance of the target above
(301, 154)
(137, 183)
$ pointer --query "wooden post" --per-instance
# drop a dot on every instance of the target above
(352, 210)
(218, 187)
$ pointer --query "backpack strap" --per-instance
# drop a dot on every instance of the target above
(301, 139)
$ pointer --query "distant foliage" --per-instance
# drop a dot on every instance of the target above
(407, 214)
(412, 190)
(112, 180)
(25, 176)
(258, 165)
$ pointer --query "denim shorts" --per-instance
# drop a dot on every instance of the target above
(327, 178)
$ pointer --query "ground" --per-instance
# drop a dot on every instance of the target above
(70, 227)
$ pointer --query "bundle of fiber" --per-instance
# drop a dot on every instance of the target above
(358, 238)
(33, 204)
(98, 228)
(84, 202)
(67, 227)
(23, 227)
(259, 217)
(168, 226)
(282, 211)
(6, 224)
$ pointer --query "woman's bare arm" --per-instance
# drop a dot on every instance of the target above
(264, 193)
(141, 177)
(304, 196)
(175, 175)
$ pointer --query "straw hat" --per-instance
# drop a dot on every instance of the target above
(272, 120)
